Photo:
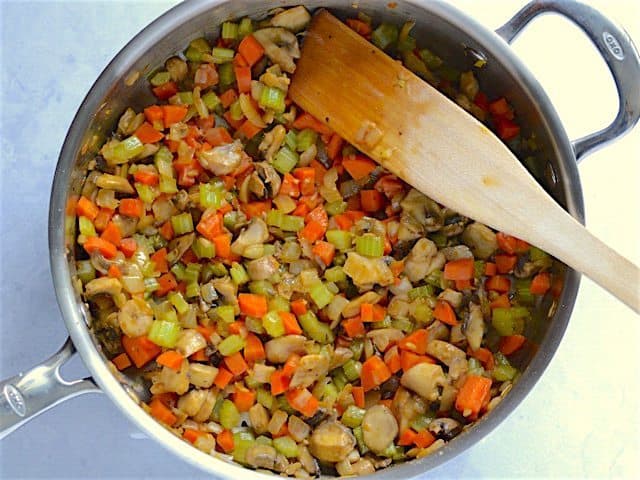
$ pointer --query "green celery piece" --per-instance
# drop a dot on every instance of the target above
(321, 295)
(182, 223)
(305, 138)
(229, 31)
(160, 78)
(385, 35)
(245, 28)
(285, 160)
(164, 333)
(315, 329)
(273, 324)
(273, 98)
(341, 239)
(370, 245)
(226, 313)
(352, 369)
(352, 416)
(222, 55)
(230, 345)
(238, 274)
(178, 301)
(229, 415)
(292, 223)
(286, 446)
(85, 270)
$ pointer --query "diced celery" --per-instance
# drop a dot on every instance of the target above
(272, 98)
(192, 272)
(211, 195)
(222, 55)
(340, 239)
(362, 447)
(339, 379)
(160, 78)
(357, 347)
(163, 159)
(226, 74)
(211, 100)
(285, 203)
(263, 440)
(122, 152)
(85, 271)
(290, 140)
(305, 139)
(192, 290)
(238, 274)
(272, 323)
(283, 404)
(315, 329)
(226, 313)
(229, 31)
(274, 218)
(424, 291)
(321, 295)
(230, 219)
(352, 369)
(204, 248)
(286, 446)
(178, 271)
(385, 35)
(182, 223)
(509, 321)
(147, 193)
(285, 160)
(292, 223)
(235, 110)
(335, 274)
(536, 255)
(196, 48)
(503, 370)
(151, 285)
(230, 345)
(218, 269)
(166, 314)
(422, 312)
(393, 451)
(370, 245)
(178, 301)
(522, 287)
(430, 59)
(439, 238)
(264, 398)
(435, 278)
(262, 287)
(86, 227)
(253, 251)
(401, 323)
(229, 415)
(245, 28)
(352, 416)
(164, 333)
(474, 368)
(168, 185)
(279, 304)
(254, 325)
(336, 208)
(185, 98)
(422, 421)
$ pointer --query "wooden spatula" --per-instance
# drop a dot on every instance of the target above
(417, 133)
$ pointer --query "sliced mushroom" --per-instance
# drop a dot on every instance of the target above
(135, 317)
(423, 210)
(353, 307)
(272, 141)
(310, 369)
(438, 330)
(223, 159)
(480, 239)
(294, 19)
(453, 297)
(114, 182)
(298, 429)
(424, 379)
(227, 288)
(262, 268)
(279, 349)
(178, 246)
(340, 356)
(201, 375)
(192, 402)
(190, 341)
(423, 259)
(255, 233)
(280, 45)
(457, 253)
(331, 441)
(383, 337)
(260, 455)
(474, 327)
(450, 355)
(259, 418)
(365, 272)
(207, 407)
(169, 380)
(177, 68)
(406, 406)
(262, 373)
(379, 428)
(103, 286)
(264, 181)
(445, 428)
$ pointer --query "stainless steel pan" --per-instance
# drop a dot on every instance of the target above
(27, 395)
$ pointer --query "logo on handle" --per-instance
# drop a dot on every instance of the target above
(613, 45)
(15, 400)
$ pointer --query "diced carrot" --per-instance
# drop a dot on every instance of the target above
(166, 90)
(223, 378)
(312, 231)
(236, 364)
(354, 215)
(343, 221)
(191, 435)
(253, 349)
(170, 359)
(409, 359)
(256, 209)
(506, 129)
(501, 108)
(128, 246)
(498, 283)
(161, 412)
(307, 178)
(407, 437)
(147, 134)
(445, 313)
(279, 382)
(374, 372)
(490, 269)
(501, 301)
(541, 283)
(86, 208)
(371, 200)
(485, 356)
(121, 361)
(154, 114)
(225, 441)
(131, 207)
(206, 76)
(206, 331)
(358, 166)
(210, 224)
(167, 283)
(253, 304)
(358, 396)
(243, 78)
(106, 249)
(302, 210)
(472, 395)
(112, 234)
(173, 114)
(291, 365)
(505, 263)
(511, 344)
(320, 170)
(354, 327)
(102, 219)
(159, 258)
(461, 269)
(416, 342)
(250, 49)
(291, 326)
(392, 359)
(199, 356)
(228, 97)
(141, 350)
(303, 401)
(366, 312)
(334, 146)
(360, 27)
(223, 246)
(463, 284)
(556, 286)
(114, 272)
(244, 398)
(390, 185)
(218, 136)
(424, 438)
(306, 120)
(299, 306)
(290, 186)
(325, 251)
(189, 257)
(249, 130)
(147, 177)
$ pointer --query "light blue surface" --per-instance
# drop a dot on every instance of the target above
(581, 419)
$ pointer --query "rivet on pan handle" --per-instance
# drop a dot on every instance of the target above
(27, 395)
(615, 47)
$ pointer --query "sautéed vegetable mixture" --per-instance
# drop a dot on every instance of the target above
(290, 303)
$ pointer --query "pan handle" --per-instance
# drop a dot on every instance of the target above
(27, 395)
(615, 47)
